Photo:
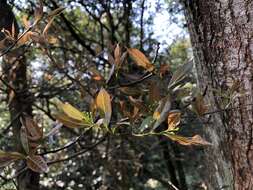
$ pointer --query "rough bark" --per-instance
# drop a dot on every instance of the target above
(221, 34)
(14, 72)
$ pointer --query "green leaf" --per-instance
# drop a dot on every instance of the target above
(70, 122)
(145, 125)
(180, 74)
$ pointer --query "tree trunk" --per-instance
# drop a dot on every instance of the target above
(14, 72)
(221, 35)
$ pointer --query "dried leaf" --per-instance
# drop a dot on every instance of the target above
(140, 59)
(103, 103)
(173, 120)
(195, 140)
(37, 163)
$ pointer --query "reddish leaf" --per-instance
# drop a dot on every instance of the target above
(173, 120)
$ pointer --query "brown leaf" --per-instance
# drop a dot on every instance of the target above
(173, 119)
(103, 103)
(140, 59)
(24, 139)
(37, 163)
(195, 140)
(34, 132)
(117, 54)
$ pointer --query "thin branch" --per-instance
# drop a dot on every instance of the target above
(78, 153)
(133, 83)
